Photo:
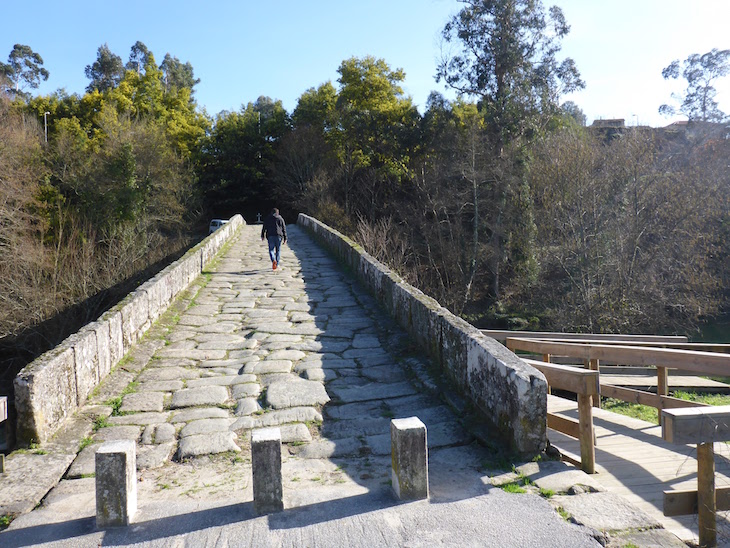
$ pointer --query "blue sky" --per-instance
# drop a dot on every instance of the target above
(243, 49)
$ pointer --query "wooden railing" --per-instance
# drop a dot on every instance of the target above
(702, 363)
(584, 383)
(702, 427)
(502, 335)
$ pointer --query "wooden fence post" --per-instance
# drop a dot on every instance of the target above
(587, 447)
(706, 503)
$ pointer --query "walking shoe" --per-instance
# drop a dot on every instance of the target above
(274, 265)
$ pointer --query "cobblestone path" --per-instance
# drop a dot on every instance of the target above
(306, 349)
(303, 348)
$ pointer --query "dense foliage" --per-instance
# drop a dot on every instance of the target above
(100, 193)
(500, 204)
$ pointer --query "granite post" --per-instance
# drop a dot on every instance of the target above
(266, 468)
(409, 458)
(116, 483)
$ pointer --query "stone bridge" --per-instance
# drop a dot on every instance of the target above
(327, 354)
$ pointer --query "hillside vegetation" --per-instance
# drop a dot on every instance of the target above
(500, 204)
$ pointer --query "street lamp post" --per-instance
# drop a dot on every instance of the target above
(45, 124)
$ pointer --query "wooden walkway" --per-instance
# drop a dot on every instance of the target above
(634, 462)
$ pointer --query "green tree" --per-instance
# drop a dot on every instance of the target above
(139, 57)
(177, 75)
(701, 72)
(24, 69)
(236, 160)
(106, 72)
(506, 58)
(376, 124)
(305, 157)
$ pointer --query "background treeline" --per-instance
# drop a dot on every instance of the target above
(567, 228)
(500, 203)
(95, 189)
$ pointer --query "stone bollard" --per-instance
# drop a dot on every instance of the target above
(268, 494)
(409, 458)
(116, 483)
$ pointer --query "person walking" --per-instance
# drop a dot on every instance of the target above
(274, 230)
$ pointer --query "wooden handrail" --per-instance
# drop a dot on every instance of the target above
(501, 335)
(566, 377)
(701, 347)
(702, 426)
(707, 363)
(585, 383)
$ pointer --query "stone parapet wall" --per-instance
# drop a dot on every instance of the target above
(509, 394)
(56, 384)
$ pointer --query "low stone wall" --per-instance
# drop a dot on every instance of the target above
(56, 384)
(509, 394)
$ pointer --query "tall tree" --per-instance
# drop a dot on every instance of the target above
(177, 74)
(24, 69)
(375, 123)
(106, 72)
(506, 57)
(701, 72)
(508, 60)
(139, 56)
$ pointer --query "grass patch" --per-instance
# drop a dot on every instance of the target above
(100, 422)
(85, 443)
(709, 399)
(564, 514)
(513, 487)
(116, 402)
(546, 493)
(5, 521)
(650, 414)
(635, 410)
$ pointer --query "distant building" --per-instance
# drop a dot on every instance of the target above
(612, 123)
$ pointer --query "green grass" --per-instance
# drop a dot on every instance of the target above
(85, 443)
(5, 521)
(635, 410)
(513, 487)
(116, 403)
(709, 399)
(650, 414)
(100, 422)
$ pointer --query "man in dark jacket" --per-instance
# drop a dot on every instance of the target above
(274, 230)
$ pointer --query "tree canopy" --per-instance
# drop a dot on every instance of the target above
(24, 69)
(701, 72)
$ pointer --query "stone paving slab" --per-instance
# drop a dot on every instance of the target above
(277, 418)
(373, 391)
(207, 444)
(296, 393)
(604, 512)
(225, 380)
(160, 386)
(187, 415)
(27, 479)
(167, 374)
(143, 401)
(112, 433)
(205, 395)
(155, 434)
(205, 426)
(247, 390)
